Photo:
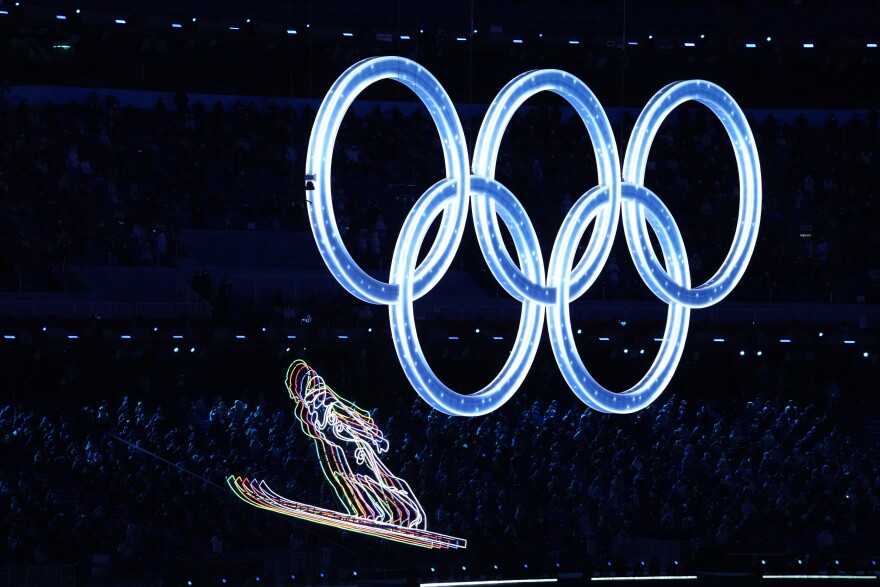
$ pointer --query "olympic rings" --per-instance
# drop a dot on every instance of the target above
(525, 279)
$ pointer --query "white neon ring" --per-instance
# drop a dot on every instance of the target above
(578, 377)
(403, 331)
(497, 118)
(319, 159)
(748, 166)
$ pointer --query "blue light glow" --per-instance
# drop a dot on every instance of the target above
(540, 291)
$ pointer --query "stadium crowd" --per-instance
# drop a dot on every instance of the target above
(145, 480)
(84, 183)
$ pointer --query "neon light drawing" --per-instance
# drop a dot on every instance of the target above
(620, 192)
(347, 440)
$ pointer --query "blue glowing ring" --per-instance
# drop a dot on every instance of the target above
(403, 331)
(748, 165)
(579, 379)
(318, 165)
(497, 118)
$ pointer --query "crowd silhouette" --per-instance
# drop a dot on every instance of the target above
(99, 182)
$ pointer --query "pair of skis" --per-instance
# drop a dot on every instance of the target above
(257, 493)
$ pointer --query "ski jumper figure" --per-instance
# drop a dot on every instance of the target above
(348, 444)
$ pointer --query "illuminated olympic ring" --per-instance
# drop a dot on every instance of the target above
(525, 280)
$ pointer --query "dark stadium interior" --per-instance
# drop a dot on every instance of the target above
(158, 274)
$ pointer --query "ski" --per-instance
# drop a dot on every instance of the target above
(258, 494)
